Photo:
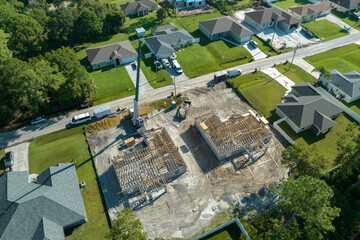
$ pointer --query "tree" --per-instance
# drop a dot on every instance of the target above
(5, 53)
(114, 21)
(161, 14)
(26, 36)
(323, 72)
(126, 227)
(88, 25)
(39, 4)
(40, 16)
(61, 24)
(306, 200)
(302, 160)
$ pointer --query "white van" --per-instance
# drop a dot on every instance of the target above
(81, 118)
(177, 67)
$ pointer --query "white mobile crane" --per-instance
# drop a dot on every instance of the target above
(134, 112)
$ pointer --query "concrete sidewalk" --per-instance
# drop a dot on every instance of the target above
(340, 23)
(307, 67)
(255, 52)
(279, 77)
(144, 84)
(21, 156)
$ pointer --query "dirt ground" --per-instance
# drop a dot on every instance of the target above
(188, 204)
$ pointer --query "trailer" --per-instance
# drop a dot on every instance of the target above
(184, 109)
(220, 75)
(102, 111)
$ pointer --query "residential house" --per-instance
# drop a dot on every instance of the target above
(186, 4)
(224, 27)
(307, 108)
(345, 5)
(41, 209)
(139, 7)
(164, 45)
(344, 86)
(310, 12)
(263, 18)
(114, 54)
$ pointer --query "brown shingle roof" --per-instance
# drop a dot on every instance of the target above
(267, 15)
(224, 24)
(310, 8)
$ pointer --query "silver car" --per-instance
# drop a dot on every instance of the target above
(9, 159)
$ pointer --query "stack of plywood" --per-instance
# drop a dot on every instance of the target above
(129, 142)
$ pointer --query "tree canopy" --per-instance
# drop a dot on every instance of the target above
(126, 227)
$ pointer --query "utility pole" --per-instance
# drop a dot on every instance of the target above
(293, 57)
(136, 100)
(174, 86)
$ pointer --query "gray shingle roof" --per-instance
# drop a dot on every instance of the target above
(346, 3)
(225, 24)
(308, 9)
(121, 50)
(349, 82)
(267, 15)
(162, 44)
(138, 5)
(40, 210)
(310, 108)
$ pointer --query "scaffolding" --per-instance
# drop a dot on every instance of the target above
(148, 168)
(235, 135)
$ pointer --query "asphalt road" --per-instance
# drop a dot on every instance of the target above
(23, 134)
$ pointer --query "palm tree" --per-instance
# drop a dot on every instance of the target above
(323, 72)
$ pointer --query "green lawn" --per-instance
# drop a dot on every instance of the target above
(296, 73)
(62, 146)
(262, 92)
(347, 19)
(344, 59)
(231, 232)
(191, 23)
(264, 46)
(325, 29)
(112, 84)
(326, 143)
(2, 160)
(285, 4)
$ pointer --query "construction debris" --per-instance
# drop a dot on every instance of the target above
(233, 136)
(151, 165)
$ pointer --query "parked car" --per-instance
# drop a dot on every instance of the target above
(220, 75)
(355, 16)
(253, 43)
(177, 67)
(9, 169)
(87, 104)
(38, 120)
(166, 63)
(234, 73)
(81, 118)
(171, 59)
(158, 65)
(9, 159)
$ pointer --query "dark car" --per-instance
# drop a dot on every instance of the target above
(87, 104)
(9, 159)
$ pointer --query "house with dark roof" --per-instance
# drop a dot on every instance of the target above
(307, 108)
(344, 86)
(263, 18)
(165, 42)
(345, 5)
(310, 12)
(43, 209)
(139, 7)
(187, 4)
(224, 27)
(114, 54)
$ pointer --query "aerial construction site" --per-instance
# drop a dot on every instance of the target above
(180, 167)
(178, 174)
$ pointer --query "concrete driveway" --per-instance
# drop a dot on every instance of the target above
(21, 156)
(178, 77)
(279, 77)
(255, 52)
(340, 23)
(144, 84)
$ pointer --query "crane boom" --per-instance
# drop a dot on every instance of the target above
(136, 119)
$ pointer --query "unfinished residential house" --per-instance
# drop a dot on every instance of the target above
(234, 136)
(150, 164)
